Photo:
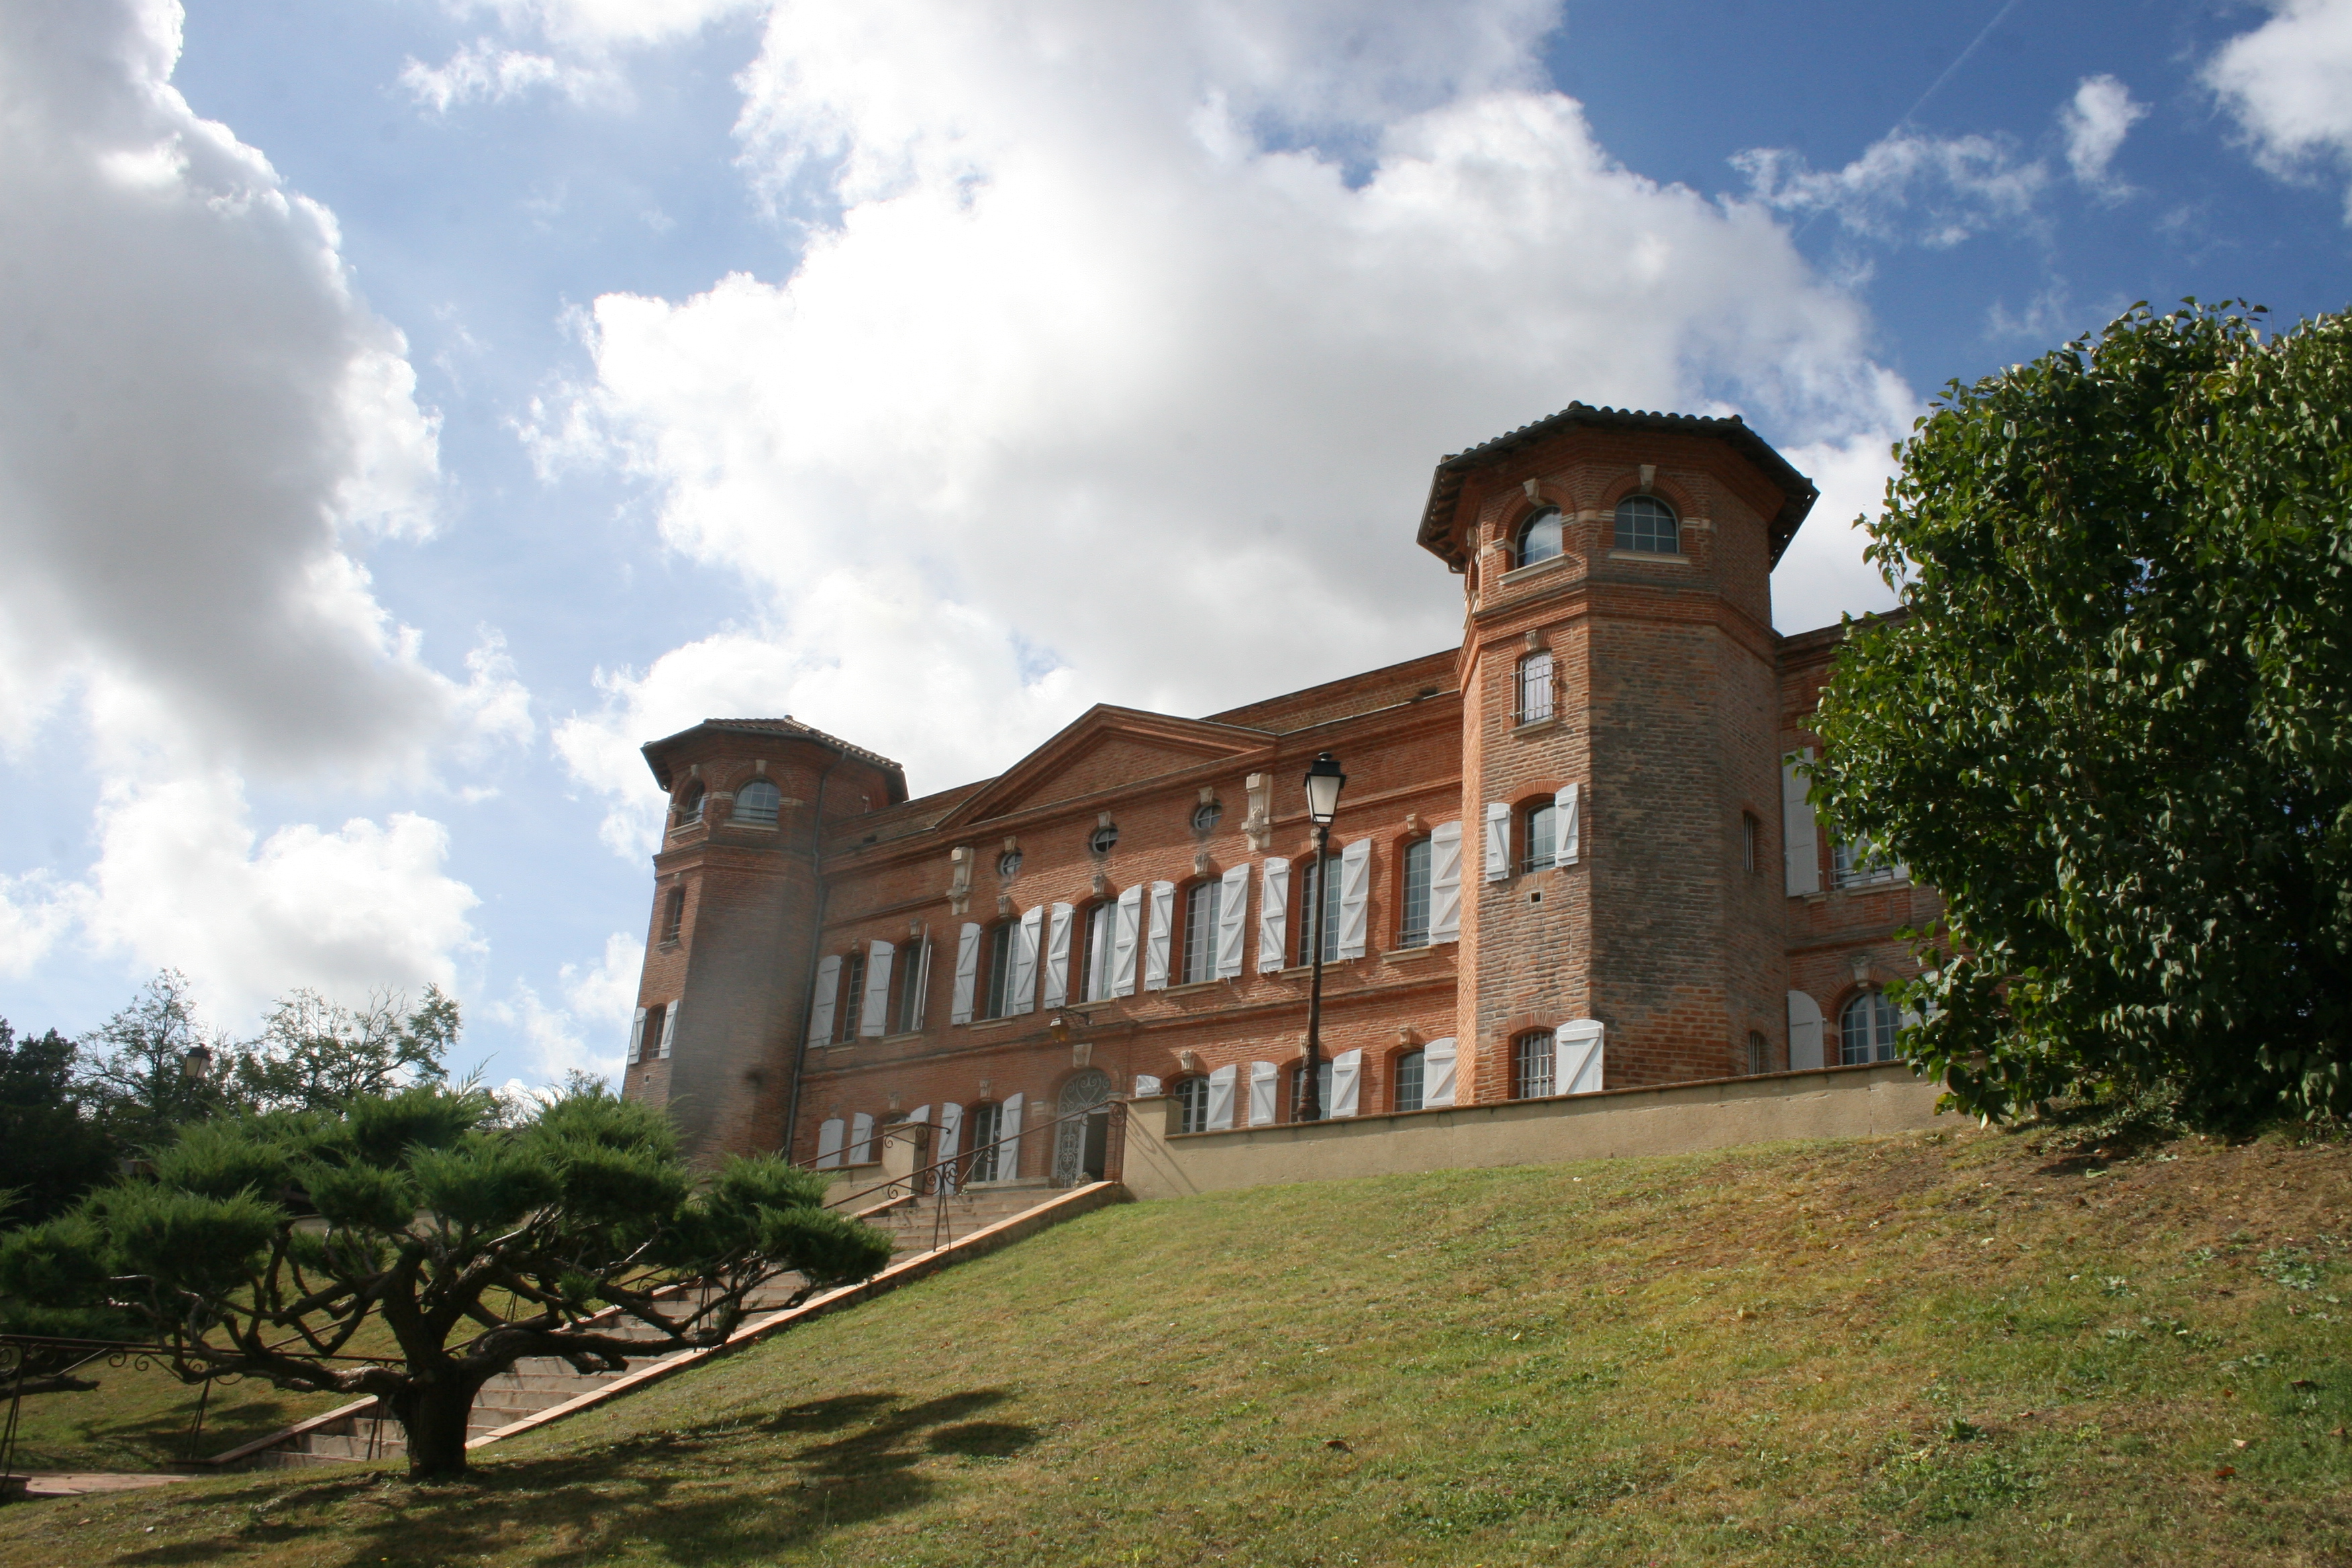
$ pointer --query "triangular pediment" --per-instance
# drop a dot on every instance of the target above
(1103, 749)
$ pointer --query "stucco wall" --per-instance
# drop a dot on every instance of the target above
(1678, 1118)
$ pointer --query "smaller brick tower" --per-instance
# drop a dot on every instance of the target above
(738, 900)
(1620, 745)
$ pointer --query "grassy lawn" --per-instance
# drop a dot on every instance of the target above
(1962, 1347)
(141, 1419)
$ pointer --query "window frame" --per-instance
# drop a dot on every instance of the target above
(754, 818)
(1854, 863)
(1527, 526)
(1198, 963)
(1630, 540)
(1878, 1033)
(907, 965)
(1323, 1079)
(1547, 812)
(1411, 1069)
(690, 804)
(674, 914)
(850, 1005)
(1095, 972)
(1535, 1065)
(1191, 1097)
(1409, 935)
(1310, 880)
(996, 985)
(988, 1117)
(1534, 672)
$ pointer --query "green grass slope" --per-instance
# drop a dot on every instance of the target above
(1962, 1347)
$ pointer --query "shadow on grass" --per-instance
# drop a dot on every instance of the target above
(713, 1494)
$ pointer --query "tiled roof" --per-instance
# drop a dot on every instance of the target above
(787, 725)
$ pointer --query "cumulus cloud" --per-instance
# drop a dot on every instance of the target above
(2095, 120)
(1121, 350)
(2289, 85)
(580, 45)
(589, 1032)
(483, 71)
(1906, 189)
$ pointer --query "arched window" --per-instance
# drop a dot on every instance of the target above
(1534, 695)
(690, 805)
(1542, 838)
(1200, 901)
(1102, 921)
(1540, 538)
(1647, 524)
(757, 802)
(1322, 1089)
(1866, 1029)
(1413, 923)
(1191, 1104)
(1409, 1080)
(1531, 1060)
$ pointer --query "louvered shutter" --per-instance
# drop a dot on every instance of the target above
(1263, 1078)
(1446, 882)
(1346, 1075)
(1567, 824)
(828, 982)
(828, 1143)
(967, 973)
(1022, 996)
(1273, 914)
(1804, 1032)
(1498, 841)
(670, 1025)
(1146, 1086)
(917, 1012)
(1800, 835)
(951, 1143)
(1057, 955)
(873, 1018)
(1355, 896)
(1437, 1076)
(1155, 941)
(638, 1038)
(1576, 1063)
(1130, 920)
(861, 1139)
(1220, 1097)
(1233, 907)
(1008, 1139)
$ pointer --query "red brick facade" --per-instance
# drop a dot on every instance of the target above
(1676, 927)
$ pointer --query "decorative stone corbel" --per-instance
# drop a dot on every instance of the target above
(1082, 1052)
(1648, 475)
(1102, 885)
(960, 879)
(1201, 861)
(1259, 825)
(1003, 904)
(1530, 487)
(1408, 1037)
(1188, 1060)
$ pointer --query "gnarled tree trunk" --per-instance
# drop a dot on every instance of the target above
(434, 1410)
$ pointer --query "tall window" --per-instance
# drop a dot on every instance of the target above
(756, 804)
(1102, 921)
(982, 1126)
(1192, 1105)
(1409, 1080)
(1866, 1029)
(1859, 864)
(1535, 688)
(1759, 1053)
(908, 973)
(1647, 524)
(673, 914)
(1750, 831)
(1000, 969)
(1542, 838)
(1413, 930)
(1532, 1058)
(1200, 930)
(1540, 538)
(1299, 1089)
(853, 996)
(1328, 883)
(690, 805)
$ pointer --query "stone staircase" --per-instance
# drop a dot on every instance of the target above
(360, 1432)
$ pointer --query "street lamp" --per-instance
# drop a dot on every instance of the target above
(196, 1064)
(1324, 782)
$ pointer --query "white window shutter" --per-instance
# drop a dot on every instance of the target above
(1446, 882)
(1800, 834)
(1347, 1076)
(1498, 841)
(1220, 1097)
(1567, 824)
(670, 1025)
(1057, 955)
(967, 973)
(1232, 905)
(950, 1142)
(1804, 1032)
(1273, 914)
(1437, 1073)
(638, 1038)
(1355, 894)
(1124, 940)
(920, 1009)
(1146, 1086)
(828, 1143)
(1008, 1139)
(1021, 995)
(861, 1139)
(873, 1018)
(1576, 1063)
(1263, 1078)
(1155, 945)
(828, 982)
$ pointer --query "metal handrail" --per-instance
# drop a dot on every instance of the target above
(912, 1181)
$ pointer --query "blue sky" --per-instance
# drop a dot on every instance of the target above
(414, 406)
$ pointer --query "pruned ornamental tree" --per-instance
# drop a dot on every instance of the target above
(2114, 724)
(264, 1245)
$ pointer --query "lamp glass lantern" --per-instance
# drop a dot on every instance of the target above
(1324, 782)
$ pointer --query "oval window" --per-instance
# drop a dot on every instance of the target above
(1206, 816)
(1009, 863)
(1102, 839)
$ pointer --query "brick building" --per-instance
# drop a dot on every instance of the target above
(1571, 853)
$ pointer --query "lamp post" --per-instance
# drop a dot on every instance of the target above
(1324, 782)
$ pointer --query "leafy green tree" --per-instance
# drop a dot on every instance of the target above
(315, 1055)
(160, 1068)
(2114, 724)
(261, 1245)
(51, 1150)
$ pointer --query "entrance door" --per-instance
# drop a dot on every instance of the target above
(1081, 1142)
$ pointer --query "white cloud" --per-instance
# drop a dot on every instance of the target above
(1906, 189)
(481, 71)
(1101, 386)
(2289, 85)
(2095, 121)
(598, 1004)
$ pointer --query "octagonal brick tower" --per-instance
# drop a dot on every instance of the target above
(1667, 925)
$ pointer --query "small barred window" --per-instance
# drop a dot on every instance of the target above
(1533, 1057)
(1535, 688)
